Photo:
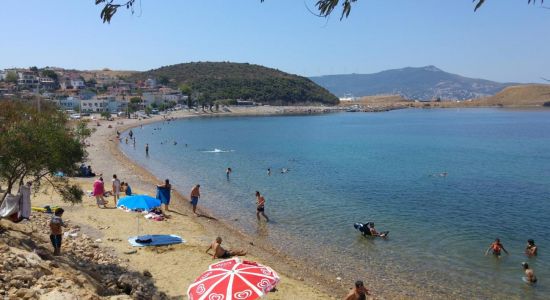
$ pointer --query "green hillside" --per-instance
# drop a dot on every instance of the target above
(225, 80)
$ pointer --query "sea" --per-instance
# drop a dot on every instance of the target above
(444, 182)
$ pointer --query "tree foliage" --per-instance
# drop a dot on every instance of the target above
(11, 76)
(324, 7)
(35, 144)
(222, 80)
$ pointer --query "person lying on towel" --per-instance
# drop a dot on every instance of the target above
(220, 252)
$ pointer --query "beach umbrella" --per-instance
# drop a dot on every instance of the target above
(233, 279)
(139, 202)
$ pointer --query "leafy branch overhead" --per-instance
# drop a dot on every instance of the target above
(325, 7)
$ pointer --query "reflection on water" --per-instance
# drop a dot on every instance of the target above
(445, 183)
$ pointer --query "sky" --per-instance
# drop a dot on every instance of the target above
(506, 40)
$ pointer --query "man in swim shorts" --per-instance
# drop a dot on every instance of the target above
(496, 247)
(195, 195)
(220, 252)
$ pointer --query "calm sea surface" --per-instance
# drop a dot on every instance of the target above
(381, 167)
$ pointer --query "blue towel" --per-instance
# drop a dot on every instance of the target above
(156, 240)
(163, 194)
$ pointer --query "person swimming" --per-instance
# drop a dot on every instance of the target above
(496, 247)
(529, 274)
(531, 249)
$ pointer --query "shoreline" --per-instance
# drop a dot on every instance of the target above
(264, 252)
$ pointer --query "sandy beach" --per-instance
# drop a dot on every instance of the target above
(174, 267)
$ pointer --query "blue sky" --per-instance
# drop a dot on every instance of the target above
(507, 40)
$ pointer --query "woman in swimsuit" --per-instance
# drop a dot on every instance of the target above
(531, 249)
(260, 206)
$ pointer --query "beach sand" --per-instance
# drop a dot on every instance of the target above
(174, 268)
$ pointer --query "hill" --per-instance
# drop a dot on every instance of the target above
(225, 80)
(522, 95)
(424, 83)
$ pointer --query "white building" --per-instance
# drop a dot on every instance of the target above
(27, 79)
(3, 75)
(69, 103)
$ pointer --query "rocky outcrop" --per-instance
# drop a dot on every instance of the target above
(85, 270)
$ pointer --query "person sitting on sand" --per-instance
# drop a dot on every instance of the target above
(496, 247)
(531, 249)
(529, 273)
(127, 189)
(220, 252)
(360, 292)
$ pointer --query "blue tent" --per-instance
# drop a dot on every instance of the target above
(139, 202)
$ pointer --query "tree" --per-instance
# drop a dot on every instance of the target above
(324, 7)
(106, 115)
(50, 74)
(34, 145)
(11, 76)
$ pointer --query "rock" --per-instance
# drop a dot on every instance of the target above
(146, 273)
(130, 252)
(21, 292)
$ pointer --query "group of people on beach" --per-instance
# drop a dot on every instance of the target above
(117, 188)
(531, 250)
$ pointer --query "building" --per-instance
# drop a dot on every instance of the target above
(27, 79)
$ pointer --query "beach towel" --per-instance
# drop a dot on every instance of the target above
(163, 194)
(46, 209)
(25, 202)
(155, 240)
(10, 207)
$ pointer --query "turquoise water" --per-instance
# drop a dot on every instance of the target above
(383, 167)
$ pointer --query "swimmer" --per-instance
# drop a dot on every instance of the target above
(496, 247)
(360, 292)
(531, 249)
(529, 274)
(268, 171)
(284, 170)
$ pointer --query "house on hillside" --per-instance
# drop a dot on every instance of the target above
(26, 79)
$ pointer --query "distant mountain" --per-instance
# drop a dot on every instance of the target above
(225, 80)
(424, 83)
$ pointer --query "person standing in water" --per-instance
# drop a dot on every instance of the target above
(268, 171)
(146, 149)
(531, 249)
(195, 195)
(228, 172)
(496, 247)
(529, 274)
(260, 206)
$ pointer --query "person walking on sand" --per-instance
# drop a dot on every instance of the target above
(116, 188)
(98, 191)
(163, 193)
(56, 231)
(260, 206)
(496, 247)
(531, 249)
(360, 292)
(146, 149)
(220, 252)
(529, 274)
(195, 195)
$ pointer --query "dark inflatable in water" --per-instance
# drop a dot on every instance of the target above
(364, 228)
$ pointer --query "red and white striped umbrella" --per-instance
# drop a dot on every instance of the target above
(233, 279)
